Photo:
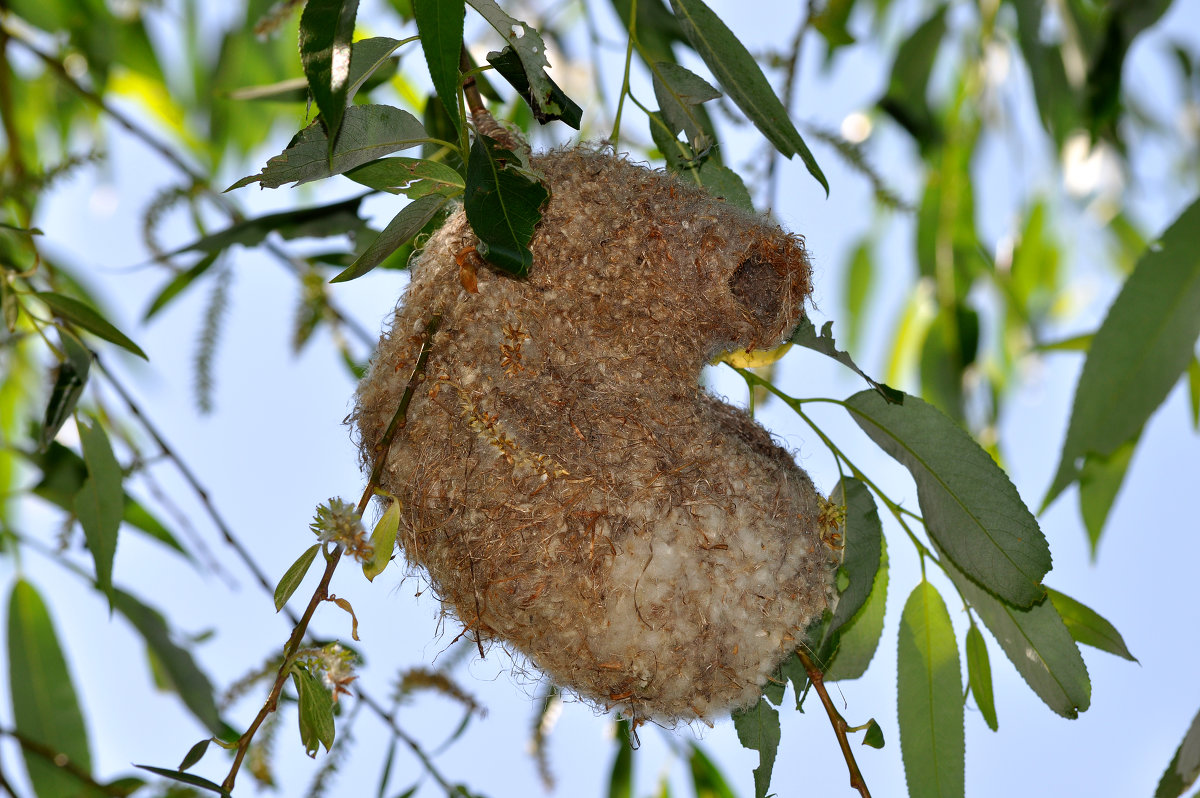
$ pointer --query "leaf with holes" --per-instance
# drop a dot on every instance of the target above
(929, 698)
(510, 66)
(531, 50)
(758, 729)
(805, 335)
(970, 508)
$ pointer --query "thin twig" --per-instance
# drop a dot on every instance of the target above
(380, 451)
(817, 678)
(6, 112)
(58, 759)
(791, 68)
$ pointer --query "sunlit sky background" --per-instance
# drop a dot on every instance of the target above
(276, 447)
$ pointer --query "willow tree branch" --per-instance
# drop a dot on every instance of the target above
(839, 723)
(58, 759)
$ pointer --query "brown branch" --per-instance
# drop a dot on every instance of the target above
(839, 723)
(399, 419)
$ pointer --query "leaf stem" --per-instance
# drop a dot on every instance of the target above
(616, 131)
(840, 727)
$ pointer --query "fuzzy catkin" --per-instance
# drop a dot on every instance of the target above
(569, 487)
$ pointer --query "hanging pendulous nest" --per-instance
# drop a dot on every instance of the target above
(570, 488)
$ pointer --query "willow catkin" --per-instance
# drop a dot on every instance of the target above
(569, 487)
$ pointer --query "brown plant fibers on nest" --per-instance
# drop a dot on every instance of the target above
(569, 487)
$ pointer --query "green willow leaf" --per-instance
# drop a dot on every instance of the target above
(69, 381)
(970, 508)
(1143, 346)
(1185, 765)
(1194, 391)
(678, 90)
(186, 778)
(862, 536)
(383, 541)
(413, 177)
(929, 698)
(188, 681)
(100, 502)
(530, 48)
(316, 711)
(195, 754)
(1099, 482)
(85, 316)
(508, 63)
(1037, 643)
(979, 676)
(368, 132)
(45, 706)
(321, 221)
(707, 780)
(805, 335)
(503, 205)
(758, 729)
(860, 276)
(739, 74)
(620, 778)
(874, 735)
(411, 219)
(326, 30)
(858, 639)
(294, 575)
(178, 284)
(1088, 627)
(905, 99)
(440, 24)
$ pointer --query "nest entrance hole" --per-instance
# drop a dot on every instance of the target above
(759, 283)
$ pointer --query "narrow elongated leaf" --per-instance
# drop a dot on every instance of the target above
(620, 778)
(383, 541)
(368, 132)
(1185, 765)
(316, 712)
(69, 382)
(905, 100)
(511, 67)
(186, 677)
(326, 29)
(743, 80)
(194, 754)
(1088, 627)
(929, 698)
(440, 23)
(858, 639)
(45, 706)
(63, 474)
(970, 508)
(979, 676)
(100, 502)
(294, 575)
(1143, 346)
(178, 284)
(186, 778)
(1037, 643)
(411, 219)
(1194, 391)
(367, 57)
(530, 48)
(1099, 482)
(321, 221)
(86, 317)
(862, 536)
(413, 177)
(758, 729)
(707, 780)
(503, 205)
(805, 335)
(678, 90)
